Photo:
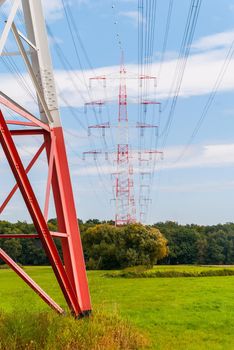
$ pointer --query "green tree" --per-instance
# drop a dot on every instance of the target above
(109, 247)
(13, 248)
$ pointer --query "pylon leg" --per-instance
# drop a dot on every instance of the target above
(67, 219)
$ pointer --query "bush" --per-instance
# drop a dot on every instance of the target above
(143, 273)
(4, 267)
(109, 247)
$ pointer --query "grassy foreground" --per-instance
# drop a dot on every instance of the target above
(174, 313)
(46, 330)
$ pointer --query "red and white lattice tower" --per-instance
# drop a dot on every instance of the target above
(69, 267)
(124, 197)
(124, 185)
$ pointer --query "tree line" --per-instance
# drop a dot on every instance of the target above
(108, 247)
(198, 244)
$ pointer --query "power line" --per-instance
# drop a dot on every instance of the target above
(182, 60)
(210, 100)
(165, 40)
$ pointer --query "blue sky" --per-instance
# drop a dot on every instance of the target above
(195, 188)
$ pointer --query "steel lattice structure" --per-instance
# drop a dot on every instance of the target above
(124, 188)
(124, 156)
(70, 268)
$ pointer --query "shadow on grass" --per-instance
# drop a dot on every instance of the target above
(48, 331)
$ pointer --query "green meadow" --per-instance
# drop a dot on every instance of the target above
(184, 313)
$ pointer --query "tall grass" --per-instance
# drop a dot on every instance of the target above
(48, 331)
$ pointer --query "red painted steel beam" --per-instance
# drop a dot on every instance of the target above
(58, 234)
(38, 219)
(9, 103)
(26, 132)
(32, 235)
(26, 278)
(67, 220)
(49, 177)
(145, 77)
(18, 122)
(102, 78)
(29, 167)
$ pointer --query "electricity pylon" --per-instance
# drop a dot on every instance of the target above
(123, 155)
(70, 268)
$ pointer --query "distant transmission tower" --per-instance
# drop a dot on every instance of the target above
(124, 186)
(125, 201)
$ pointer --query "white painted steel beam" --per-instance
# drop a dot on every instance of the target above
(32, 75)
(8, 24)
(41, 60)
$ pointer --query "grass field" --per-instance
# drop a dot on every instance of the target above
(174, 313)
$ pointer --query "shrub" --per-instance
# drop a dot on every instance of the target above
(143, 273)
(109, 247)
(4, 267)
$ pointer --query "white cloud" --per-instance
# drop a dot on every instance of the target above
(215, 41)
(134, 16)
(207, 156)
(53, 9)
(54, 40)
(199, 187)
(214, 155)
(92, 170)
(199, 78)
